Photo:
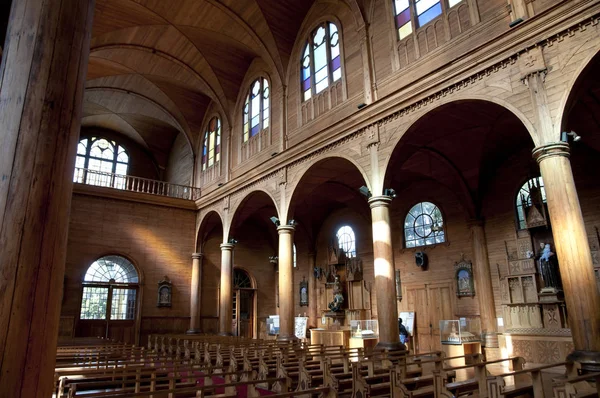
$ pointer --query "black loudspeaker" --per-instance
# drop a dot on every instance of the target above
(421, 259)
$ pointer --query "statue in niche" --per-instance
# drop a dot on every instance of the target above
(548, 264)
(338, 298)
(164, 292)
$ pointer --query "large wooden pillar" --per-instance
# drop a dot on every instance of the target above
(41, 89)
(196, 294)
(226, 290)
(573, 251)
(385, 284)
(484, 290)
(286, 282)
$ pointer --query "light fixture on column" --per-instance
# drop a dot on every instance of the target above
(233, 241)
(275, 221)
(273, 260)
(292, 223)
(565, 136)
(389, 192)
(398, 286)
(365, 191)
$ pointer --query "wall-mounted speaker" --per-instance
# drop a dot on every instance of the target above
(421, 259)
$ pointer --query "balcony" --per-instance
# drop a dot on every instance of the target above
(135, 184)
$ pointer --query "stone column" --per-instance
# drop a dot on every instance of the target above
(196, 294)
(312, 290)
(483, 285)
(226, 290)
(573, 251)
(385, 283)
(286, 282)
(42, 79)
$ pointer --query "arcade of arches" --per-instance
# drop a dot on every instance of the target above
(253, 160)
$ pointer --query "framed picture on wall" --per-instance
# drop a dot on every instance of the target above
(304, 293)
(463, 274)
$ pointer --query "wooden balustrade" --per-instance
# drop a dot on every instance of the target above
(135, 184)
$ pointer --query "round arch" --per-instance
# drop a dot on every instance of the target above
(207, 221)
(401, 131)
(569, 95)
(235, 210)
(319, 160)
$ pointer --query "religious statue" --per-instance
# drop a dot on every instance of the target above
(338, 298)
(548, 264)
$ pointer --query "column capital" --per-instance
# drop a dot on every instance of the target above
(285, 229)
(197, 256)
(379, 201)
(227, 246)
(551, 150)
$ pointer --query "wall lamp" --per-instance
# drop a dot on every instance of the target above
(292, 223)
(233, 241)
(565, 136)
(361, 105)
(365, 191)
(275, 221)
(389, 192)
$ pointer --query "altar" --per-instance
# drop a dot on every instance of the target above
(330, 337)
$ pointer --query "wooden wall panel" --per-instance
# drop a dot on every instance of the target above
(159, 241)
(181, 162)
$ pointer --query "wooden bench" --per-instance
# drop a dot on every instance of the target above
(584, 386)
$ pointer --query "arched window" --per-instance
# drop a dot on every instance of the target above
(211, 148)
(347, 241)
(256, 108)
(424, 225)
(426, 11)
(110, 289)
(530, 193)
(321, 60)
(101, 162)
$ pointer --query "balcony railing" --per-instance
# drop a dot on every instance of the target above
(135, 184)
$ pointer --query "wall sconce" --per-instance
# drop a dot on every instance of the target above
(398, 286)
(389, 192)
(233, 241)
(564, 137)
(293, 223)
(274, 260)
(365, 191)
(275, 221)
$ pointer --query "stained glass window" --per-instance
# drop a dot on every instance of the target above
(424, 225)
(402, 17)
(347, 241)
(211, 148)
(101, 162)
(256, 110)
(321, 62)
(534, 186)
(109, 278)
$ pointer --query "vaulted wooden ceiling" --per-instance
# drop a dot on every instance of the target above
(156, 66)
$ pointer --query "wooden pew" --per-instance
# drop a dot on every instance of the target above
(584, 386)
(530, 381)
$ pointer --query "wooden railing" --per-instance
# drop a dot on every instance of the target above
(135, 184)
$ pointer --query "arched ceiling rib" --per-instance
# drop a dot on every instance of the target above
(176, 57)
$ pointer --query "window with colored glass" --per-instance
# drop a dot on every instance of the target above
(256, 110)
(321, 63)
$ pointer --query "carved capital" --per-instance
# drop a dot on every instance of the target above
(372, 135)
(282, 176)
(532, 64)
(550, 150)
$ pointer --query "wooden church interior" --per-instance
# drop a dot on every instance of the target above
(242, 198)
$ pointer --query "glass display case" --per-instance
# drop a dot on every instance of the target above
(460, 331)
(366, 329)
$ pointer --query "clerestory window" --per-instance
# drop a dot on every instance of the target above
(417, 13)
(424, 225)
(256, 110)
(321, 60)
(211, 147)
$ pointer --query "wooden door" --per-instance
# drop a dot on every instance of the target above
(431, 303)
(243, 312)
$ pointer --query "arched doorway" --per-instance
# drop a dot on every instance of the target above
(244, 304)
(109, 300)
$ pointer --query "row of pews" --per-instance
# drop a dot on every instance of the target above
(176, 366)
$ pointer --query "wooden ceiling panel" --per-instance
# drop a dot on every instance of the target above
(100, 67)
(159, 136)
(141, 86)
(111, 15)
(115, 123)
(121, 102)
